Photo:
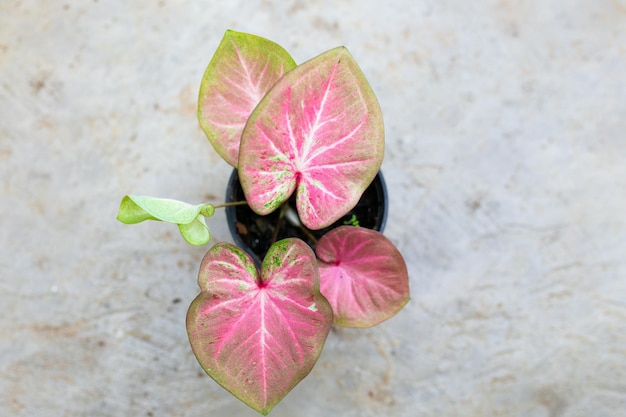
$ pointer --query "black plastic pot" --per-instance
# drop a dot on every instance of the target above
(255, 234)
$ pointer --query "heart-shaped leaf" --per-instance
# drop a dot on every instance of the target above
(242, 70)
(318, 130)
(363, 276)
(258, 335)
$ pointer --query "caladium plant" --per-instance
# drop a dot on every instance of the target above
(314, 130)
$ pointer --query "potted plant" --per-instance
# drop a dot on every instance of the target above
(306, 142)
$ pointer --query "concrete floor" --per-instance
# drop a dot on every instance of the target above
(505, 153)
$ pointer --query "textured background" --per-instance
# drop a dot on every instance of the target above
(505, 152)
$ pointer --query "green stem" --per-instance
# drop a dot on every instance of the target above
(279, 223)
(292, 217)
(308, 233)
(232, 203)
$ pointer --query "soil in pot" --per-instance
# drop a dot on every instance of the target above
(255, 233)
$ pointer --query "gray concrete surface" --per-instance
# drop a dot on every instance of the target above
(505, 153)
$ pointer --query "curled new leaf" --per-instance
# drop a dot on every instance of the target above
(259, 334)
(319, 132)
(363, 276)
(131, 212)
(137, 208)
(188, 217)
(195, 233)
(242, 70)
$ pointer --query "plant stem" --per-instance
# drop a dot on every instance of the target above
(292, 217)
(308, 233)
(232, 203)
(278, 223)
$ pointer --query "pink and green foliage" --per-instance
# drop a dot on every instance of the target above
(316, 130)
(255, 334)
(242, 70)
(363, 276)
(319, 132)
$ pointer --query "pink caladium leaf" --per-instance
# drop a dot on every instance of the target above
(242, 70)
(258, 335)
(363, 276)
(319, 130)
